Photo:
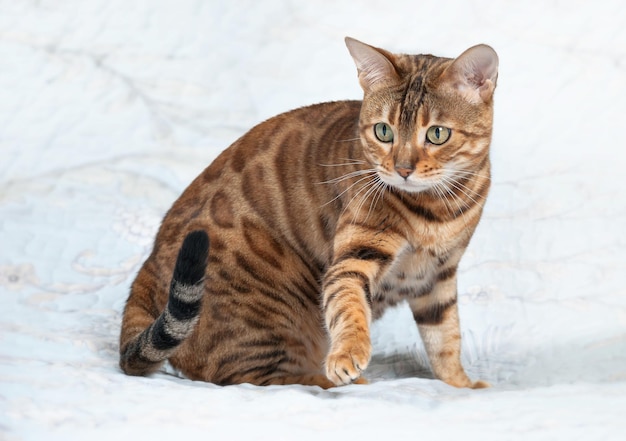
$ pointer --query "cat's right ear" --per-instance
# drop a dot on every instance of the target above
(373, 65)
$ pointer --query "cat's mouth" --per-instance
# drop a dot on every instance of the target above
(410, 184)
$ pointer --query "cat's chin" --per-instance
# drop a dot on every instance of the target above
(408, 186)
(414, 189)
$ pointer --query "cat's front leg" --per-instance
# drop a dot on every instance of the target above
(437, 318)
(348, 318)
(347, 312)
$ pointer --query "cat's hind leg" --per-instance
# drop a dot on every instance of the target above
(306, 380)
(309, 380)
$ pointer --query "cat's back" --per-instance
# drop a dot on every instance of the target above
(287, 139)
(274, 178)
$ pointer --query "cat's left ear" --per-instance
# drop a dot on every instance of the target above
(474, 73)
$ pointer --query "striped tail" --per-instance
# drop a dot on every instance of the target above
(145, 353)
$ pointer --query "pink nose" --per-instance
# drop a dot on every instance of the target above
(404, 171)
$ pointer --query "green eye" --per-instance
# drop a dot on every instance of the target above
(383, 132)
(438, 135)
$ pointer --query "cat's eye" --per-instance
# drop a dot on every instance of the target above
(438, 134)
(383, 132)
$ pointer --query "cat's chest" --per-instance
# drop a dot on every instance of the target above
(411, 275)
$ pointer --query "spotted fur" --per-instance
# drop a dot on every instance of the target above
(316, 227)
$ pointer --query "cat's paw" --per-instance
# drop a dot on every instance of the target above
(462, 380)
(346, 362)
(480, 384)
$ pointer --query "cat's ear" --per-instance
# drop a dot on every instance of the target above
(373, 65)
(474, 73)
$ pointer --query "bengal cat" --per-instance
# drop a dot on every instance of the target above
(272, 264)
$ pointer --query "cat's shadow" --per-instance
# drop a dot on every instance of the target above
(398, 365)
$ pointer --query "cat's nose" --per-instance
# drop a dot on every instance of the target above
(404, 171)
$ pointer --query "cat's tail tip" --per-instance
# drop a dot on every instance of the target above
(192, 258)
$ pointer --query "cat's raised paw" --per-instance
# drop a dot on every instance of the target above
(345, 365)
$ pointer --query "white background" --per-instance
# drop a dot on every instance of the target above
(108, 109)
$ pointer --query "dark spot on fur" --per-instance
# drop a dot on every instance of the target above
(434, 314)
(446, 274)
(222, 210)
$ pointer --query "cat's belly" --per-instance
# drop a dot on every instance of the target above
(412, 275)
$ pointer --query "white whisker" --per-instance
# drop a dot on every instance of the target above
(455, 199)
(346, 176)
(373, 187)
(438, 189)
(343, 164)
(365, 187)
(464, 173)
(368, 174)
(382, 188)
(463, 189)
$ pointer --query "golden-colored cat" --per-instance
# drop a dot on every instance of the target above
(272, 264)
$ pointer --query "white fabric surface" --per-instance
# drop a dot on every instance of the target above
(108, 109)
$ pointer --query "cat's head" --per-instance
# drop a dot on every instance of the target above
(425, 121)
